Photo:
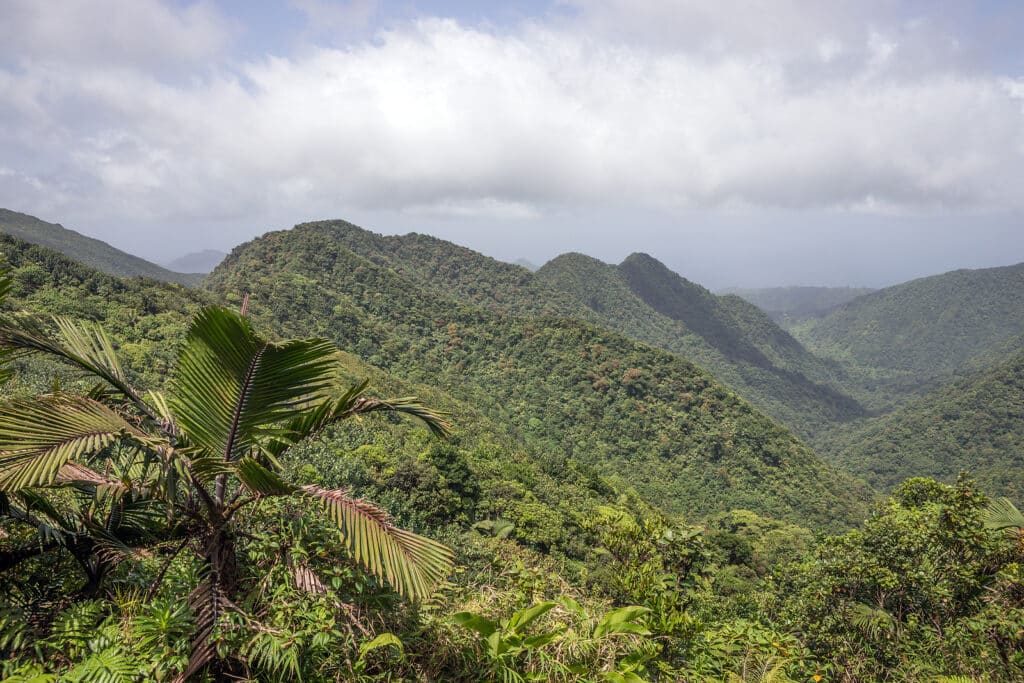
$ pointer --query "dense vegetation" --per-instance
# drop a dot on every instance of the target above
(790, 305)
(907, 339)
(86, 250)
(615, 513)
(734, 341)
(638, 417)
(975, 424)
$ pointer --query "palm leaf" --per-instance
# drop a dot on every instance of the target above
(262, 481)
(39, 436)
(1002, 514)
(353, 403)
(408, 405)
(233, 389)
(412, 564)
(82, 344)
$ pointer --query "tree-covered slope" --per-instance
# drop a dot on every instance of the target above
(911, 337)
(789, 305)
(745, 350)
(483, 472)
(86, 250)
(974, 425)
(735, 341)
(147, 317)
(642, 418)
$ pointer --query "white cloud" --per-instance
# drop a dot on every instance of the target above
(437, 118)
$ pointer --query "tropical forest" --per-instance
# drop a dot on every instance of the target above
(348, 456)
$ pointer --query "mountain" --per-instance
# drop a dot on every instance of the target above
(734, 340)
(643, 419)
(483, 470)
(905, 340)
(197, 261)
(86, 250)
(789, 305)
(975, 424)
(529, 265)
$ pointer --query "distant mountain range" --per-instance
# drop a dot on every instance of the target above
(530, 356)
(91, 252)
(789, 305)
(197, 261)
(904, 340)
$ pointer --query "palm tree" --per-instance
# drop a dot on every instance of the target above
(208, 450)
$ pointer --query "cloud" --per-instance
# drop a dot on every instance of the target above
(105, 32)
(435, 117)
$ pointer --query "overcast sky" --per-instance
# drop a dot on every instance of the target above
(742, 143)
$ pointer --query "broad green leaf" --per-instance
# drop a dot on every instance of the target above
(475, 622)
(383, 640)
(523, 618)
(621, 620)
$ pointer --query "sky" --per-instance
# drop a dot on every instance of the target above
(743, 143)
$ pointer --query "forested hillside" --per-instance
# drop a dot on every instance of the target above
(973, 425)
(642, 418)
(86, 250)
(790, 305)
(740, 346)
(591, 493)
(907, 339)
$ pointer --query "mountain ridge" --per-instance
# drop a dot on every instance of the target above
(643, 417)
(87, 250)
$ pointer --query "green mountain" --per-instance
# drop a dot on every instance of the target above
(86, 250)
(975, 424)
(734, 340)
(639, 417)
(910, 338)
(484, 471)
(790, 305)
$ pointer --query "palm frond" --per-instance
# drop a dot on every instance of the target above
(38, 436)
(408, 405)
(1002, 514)
(263, 481)
(412, 564)
(82, 344)
(232, 388)
(350, 404)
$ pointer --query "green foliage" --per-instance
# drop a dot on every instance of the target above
(974, 425)
(638, 417)
(922, 589)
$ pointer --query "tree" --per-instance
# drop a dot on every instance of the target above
(208, 450)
